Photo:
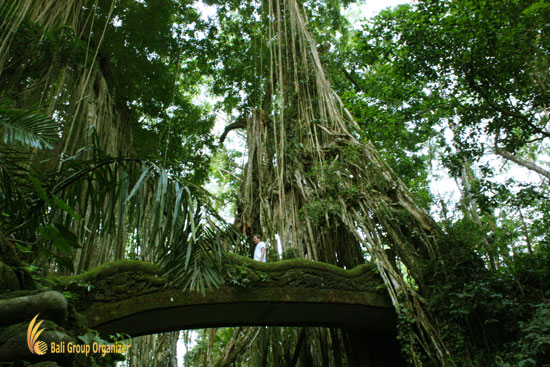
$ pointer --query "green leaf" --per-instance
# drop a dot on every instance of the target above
(65, 263)
(39, 189)
(23, 249)
(27, 127)
(66, 207)
(62, 244)
(68, 235)
(49, 232)
(137, 186)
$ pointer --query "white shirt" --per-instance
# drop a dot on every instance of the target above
(258, 251)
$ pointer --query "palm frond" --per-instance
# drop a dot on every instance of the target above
(16, 189)
(28, 128)
(121, 205)
(124, 203)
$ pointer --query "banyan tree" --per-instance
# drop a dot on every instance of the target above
(313, 185)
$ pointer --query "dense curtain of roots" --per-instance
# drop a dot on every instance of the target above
(75, 92)
(313, 184)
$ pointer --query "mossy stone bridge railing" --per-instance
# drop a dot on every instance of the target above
(132, 297)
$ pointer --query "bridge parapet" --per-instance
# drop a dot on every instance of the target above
(133, 297)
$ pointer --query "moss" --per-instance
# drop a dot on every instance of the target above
(110, 284)
(25, 278)
(107, 270)
(79, 324)
(8, 279)
(123, 266)
(125, 288)
(293, 264)
(22, 293)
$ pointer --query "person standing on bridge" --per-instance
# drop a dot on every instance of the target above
(260, 251)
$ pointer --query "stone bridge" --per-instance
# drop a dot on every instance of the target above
(132, 297)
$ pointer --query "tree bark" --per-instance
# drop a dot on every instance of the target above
(299, 344)
(522, 162)
(236, 346)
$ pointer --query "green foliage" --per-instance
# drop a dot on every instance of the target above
(34, 50)
(63, 239)
(180, 140)
(335, 190)
(227, 172)
(290, 253)
(238, 275)
(146, 52)
(88, 286)
(532, 349)
(416, 71)
(120, 337)
(143, 48)
(150, 58)
(92, 336)
(487, 317)
(219, 340)
(70, 296)
(242, 274)
(391, 109)
(38, 228)
(236, 55)
(477, 68)
(532, 271)
(29, 128)
(174, 219)
(442, 49)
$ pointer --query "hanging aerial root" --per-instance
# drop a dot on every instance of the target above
(311, 183)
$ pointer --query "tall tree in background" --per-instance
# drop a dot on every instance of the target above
(317, 187)
(127, 145)
(471, 70)
(311, 183)
(474, 71)
(107, 79)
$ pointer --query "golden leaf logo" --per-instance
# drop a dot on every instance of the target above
(35, 346)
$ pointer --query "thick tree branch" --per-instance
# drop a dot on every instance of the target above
(350, 77)
(240, 124)
(522, 162)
